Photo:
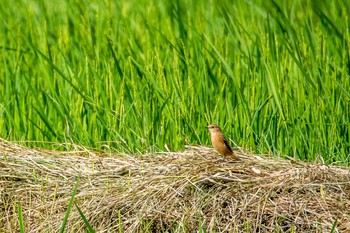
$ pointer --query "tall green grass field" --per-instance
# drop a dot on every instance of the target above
(135, 75)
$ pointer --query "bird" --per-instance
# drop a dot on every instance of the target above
(219, 142)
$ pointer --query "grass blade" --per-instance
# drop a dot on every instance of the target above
(20, 218)
(69, 208)
(86, 222)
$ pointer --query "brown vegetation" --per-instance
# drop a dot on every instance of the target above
(174, 192)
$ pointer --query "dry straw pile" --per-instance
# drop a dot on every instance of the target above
(171, 192)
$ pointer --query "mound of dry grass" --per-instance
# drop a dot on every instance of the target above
(174, 192)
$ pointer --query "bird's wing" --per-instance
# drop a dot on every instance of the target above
(227, 145)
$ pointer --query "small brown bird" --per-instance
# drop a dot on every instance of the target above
(219, 142)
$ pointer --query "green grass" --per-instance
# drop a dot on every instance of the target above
(20, 218)
(134, 75)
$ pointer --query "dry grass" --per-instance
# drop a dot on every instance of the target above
(185, 191)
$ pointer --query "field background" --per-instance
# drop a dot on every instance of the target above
(134, 75)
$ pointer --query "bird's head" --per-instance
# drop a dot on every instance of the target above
(213, 128)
